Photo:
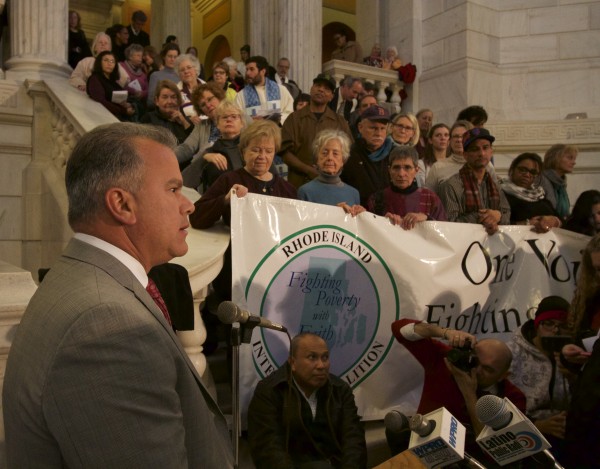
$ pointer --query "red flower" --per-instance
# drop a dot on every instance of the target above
(407, 73)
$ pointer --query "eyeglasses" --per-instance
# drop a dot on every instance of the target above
(456, 137)
(402, 127)
(203, 104)
(108, 60)
(523, 171)
(550, 325)
(219, 72)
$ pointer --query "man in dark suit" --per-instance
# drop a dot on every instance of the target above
(136, 34)
(345, 97)
(95, 376)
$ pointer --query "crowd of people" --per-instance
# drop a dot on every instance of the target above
(226, 137)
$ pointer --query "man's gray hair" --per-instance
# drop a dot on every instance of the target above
(404, 152)
(325, 136)
(349, 81)
(107, 157)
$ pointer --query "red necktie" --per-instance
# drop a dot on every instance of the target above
(158, 299)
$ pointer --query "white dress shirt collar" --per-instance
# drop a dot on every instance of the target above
(126, 259)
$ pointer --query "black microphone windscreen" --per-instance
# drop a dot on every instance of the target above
(395, 421)
(227, 312)
(491, 410)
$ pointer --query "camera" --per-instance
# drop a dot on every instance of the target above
(463, 357)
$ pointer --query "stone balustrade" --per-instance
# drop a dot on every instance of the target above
(382, 79)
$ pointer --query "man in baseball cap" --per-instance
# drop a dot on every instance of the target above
(473, 195)
(301, 127)
(367, 167)
(326, 80)
(474, 134)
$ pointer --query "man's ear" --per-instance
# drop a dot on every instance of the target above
(120, 204)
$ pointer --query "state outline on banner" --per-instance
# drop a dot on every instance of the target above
(347, 251)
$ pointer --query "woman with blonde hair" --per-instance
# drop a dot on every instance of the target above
(224, 155)
(559, 161)
(404, 129)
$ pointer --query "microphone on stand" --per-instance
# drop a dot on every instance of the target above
(229, 313)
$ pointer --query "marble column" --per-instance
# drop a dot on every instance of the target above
(263, 28)
(171, 17)
(300, 39)
(38, 39)
(292, 29)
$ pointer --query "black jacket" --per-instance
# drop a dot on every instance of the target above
(283, 434)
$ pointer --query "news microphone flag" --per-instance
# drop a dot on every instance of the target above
(508, 435)
(437, 438)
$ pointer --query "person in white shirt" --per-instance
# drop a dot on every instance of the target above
(263, 98)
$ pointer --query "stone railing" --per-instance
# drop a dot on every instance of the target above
(382, 79)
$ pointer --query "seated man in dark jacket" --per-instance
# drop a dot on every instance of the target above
(303, 416)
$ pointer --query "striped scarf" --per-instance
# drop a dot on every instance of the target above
(471, 187)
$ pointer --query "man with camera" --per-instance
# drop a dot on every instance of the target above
(458, 374)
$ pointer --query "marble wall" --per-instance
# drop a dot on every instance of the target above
(520, 60)
(16, 110)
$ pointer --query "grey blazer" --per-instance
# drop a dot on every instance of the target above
(96, 378)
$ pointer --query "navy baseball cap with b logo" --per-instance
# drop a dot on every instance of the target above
(376, 113)
(476, 133)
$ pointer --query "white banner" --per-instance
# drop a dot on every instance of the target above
(313, 268)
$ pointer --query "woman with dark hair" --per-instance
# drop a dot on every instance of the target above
(535, 370)
(167, 112)
(151, 60)
(559, 161)
(528, 203)
(85, 67)
(221, 77)
(585, 218)
(104, 82)
(438, 140)
(78, 45)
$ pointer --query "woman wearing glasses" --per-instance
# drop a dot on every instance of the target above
(221, 76)
(103, 82)
(405, 129)
(537, 372)
(527, 199)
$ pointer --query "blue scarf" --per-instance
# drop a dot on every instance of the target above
(383, 152)
(251, 96)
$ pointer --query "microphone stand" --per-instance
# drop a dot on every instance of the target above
(242, 334)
